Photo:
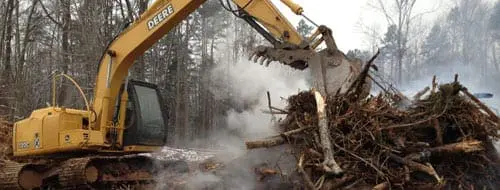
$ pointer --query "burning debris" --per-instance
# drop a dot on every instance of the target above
(443, 139)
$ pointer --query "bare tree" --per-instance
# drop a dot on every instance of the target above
(495, 33)
(138, 70)
(6, 74)
(7, 68)
(181, 107)
(398, 14)
(22, 53)
(5, 7)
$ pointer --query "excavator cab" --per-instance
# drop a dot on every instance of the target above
(145, 117)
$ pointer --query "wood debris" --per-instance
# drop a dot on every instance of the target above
(443, 140)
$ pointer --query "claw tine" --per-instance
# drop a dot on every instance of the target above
(262, 60)
(251, 56)
(256, 58)
(268, 62)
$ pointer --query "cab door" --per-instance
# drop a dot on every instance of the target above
(145, 121)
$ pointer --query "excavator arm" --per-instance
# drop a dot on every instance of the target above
(266, 19)
(160, 18)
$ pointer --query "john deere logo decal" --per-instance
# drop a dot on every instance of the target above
(160, 17)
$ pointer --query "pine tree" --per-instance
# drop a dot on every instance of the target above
(304, 29)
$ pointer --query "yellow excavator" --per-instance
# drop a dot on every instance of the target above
(99, 147)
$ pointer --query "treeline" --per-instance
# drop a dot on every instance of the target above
(464, 39)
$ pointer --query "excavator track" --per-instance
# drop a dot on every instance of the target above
(77, 171)
(91, 172)
(19, 176)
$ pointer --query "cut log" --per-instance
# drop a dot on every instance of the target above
(465, 147)
(275, 140)
(266, 143)
(461, 147)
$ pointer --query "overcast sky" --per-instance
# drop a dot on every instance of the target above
(345, 16)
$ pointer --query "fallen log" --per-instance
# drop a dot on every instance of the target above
(275, 140)
(461, 147)
(329, 164)
(454, 148)
(266, 143)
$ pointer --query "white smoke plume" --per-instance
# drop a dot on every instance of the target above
(248, 83)
(245, 84)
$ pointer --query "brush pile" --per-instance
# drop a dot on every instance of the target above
(440, 141)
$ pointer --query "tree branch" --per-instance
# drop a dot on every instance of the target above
(48, 15)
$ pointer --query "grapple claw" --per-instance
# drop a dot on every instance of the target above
(294, 58)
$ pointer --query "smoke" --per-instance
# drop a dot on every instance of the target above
(245, 85)
(200, 181)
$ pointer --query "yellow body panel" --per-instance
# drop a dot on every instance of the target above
(51, 130)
